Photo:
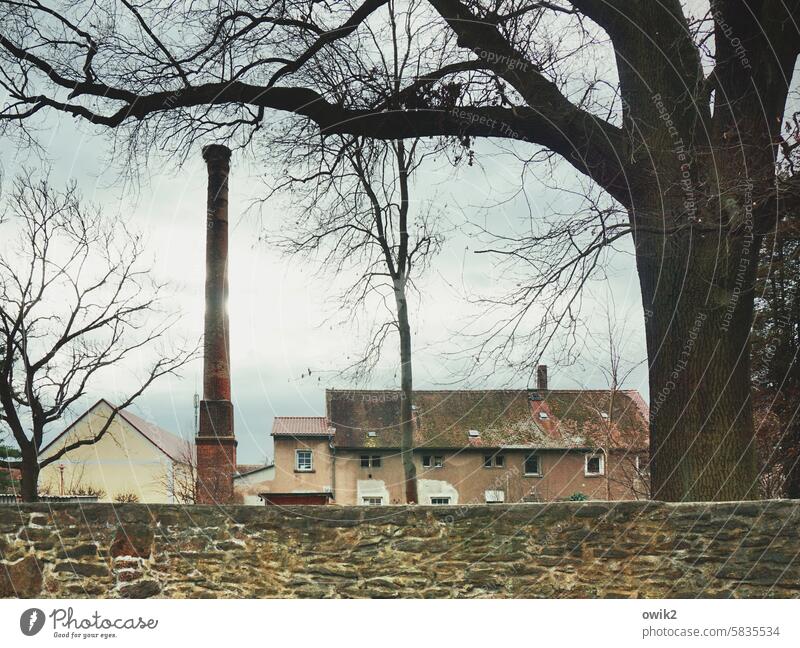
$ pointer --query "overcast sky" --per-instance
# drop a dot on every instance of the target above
(284, 320)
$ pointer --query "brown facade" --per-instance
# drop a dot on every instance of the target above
(461, 479)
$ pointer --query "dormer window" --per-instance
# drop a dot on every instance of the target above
(473, 434)
(543, 416)
(604, 414)
(372, 433)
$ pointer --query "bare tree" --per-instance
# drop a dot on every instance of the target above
(179, 481)
(357, 212)
(360, 215)
(75, 301)
(629, 468)
(680, 127)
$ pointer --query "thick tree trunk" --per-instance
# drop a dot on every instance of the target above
(29, 484)
(697, 293)
(406, 388)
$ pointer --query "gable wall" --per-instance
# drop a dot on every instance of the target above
(123, 461)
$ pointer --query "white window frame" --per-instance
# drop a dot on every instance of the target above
(593, 455)
(372, 500)
(301, 468)
(445, 501)
(538, 473)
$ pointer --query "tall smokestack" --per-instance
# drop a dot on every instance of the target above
(541, 377)
(216, 442)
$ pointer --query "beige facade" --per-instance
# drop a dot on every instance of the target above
(125, 463)
(462, 477)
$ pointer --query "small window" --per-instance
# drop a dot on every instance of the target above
(495, 496)
(440, 501)
(427, 461)
(372, 501)
(303, 461)
(438, 461)
(533, 465)
(376, 461)
(474, 433)
(604, 414)
(365, 461)
(543, 416)
(594, 465)
(498, 461)
(370, 461)
(372, 433)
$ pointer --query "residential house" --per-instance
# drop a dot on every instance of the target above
(135, 460)
(476, 446)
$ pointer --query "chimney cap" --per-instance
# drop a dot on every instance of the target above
(216, 152)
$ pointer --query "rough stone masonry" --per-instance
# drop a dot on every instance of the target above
(625, 549)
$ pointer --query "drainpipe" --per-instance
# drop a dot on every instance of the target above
(333, 468)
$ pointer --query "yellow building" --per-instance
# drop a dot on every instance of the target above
(135, 460)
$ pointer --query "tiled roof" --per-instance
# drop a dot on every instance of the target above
(301, 426)
(500, 418)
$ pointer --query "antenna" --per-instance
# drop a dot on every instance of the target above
(196, 412)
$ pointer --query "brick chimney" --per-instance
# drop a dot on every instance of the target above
(216, 443)
(541, 377)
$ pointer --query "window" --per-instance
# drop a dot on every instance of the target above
(372, 501)
(370, 461)
(432, 461)
(497, 461)
(495, 496)
(533, 465)
(473, 433)
(440, 501)
(594, 465)
(303, 461)
(543, 416)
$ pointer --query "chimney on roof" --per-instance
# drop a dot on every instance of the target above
(216, 443)
(541, 377)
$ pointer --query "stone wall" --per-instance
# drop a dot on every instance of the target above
(642, 549)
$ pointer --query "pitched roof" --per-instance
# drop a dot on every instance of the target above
(242, 470)
(301, 426)
(499, 418)
(175, 447)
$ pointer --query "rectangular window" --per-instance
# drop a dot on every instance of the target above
(376, 461)
(440, 501)
(438, 461)
(594, 465)
(372, 501)
(370, 461)
(365, 461)
(495, 496)
(303, 461)
(496, 460)
(426, 461)
(533, 465)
